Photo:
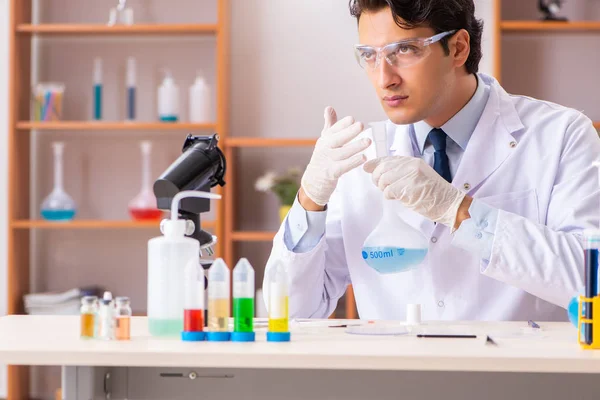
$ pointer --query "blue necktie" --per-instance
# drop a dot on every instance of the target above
(441, 165)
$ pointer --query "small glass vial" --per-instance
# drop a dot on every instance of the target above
(218, 302)
(106, 316)
(123, 319)
(88, 315)
(243, 302)
(278, 304)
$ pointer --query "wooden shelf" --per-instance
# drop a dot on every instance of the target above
(112, 126)
(580, 26)
(249, 236)
(92, 224)
(92, 29)
(269, 142)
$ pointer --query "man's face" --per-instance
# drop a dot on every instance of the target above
(407, 94)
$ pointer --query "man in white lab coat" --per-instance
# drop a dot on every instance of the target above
(501, 186)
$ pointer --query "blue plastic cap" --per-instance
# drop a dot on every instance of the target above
(218, 336)
(193, 336)
(243, 336)
(278, 336)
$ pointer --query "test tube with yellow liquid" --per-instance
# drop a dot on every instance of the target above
(218, 302)
(278, 301)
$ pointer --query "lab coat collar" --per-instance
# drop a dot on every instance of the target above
(492, 141)
(460, 127)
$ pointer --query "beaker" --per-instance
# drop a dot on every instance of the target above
(58, 205)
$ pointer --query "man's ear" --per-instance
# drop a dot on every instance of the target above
(460, 47)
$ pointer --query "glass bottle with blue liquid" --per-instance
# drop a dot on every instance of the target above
(58, 205)
(393, 246)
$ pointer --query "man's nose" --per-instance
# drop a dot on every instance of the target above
(387, 75)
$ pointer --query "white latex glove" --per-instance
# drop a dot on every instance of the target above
(335, 154)
(412, 181)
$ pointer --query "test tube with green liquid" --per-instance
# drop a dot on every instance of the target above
(278, 304)
(243, 302)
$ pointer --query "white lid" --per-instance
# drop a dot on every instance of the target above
(200, 79)
(171, 227)
(107, 296)
(168, 79)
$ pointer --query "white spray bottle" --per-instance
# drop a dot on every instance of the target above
(168, 256)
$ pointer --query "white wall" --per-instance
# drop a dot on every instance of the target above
(484, 9)
(3, 166)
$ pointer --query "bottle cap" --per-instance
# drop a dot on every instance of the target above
(278, 336)
(193, 336)
(218, 336)
(413, 314)
(107, 298)
(243, 336)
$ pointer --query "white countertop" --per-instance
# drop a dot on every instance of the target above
(54, 340)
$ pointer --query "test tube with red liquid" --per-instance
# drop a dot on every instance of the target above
(193, 313)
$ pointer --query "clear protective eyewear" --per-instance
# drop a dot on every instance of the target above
(399, 54)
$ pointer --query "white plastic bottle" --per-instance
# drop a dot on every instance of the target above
(168, 256)
(168, 99)
(200, 101)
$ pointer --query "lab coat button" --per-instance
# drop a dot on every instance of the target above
(478, 235)
(484, 224)
(434, 240)
(440, 303)
(467, 186)
(513, 144)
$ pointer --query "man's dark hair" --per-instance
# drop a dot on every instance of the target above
(440, 15)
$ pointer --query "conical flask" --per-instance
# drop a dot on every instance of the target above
(58, 205)
(143, 206)
(393, 246)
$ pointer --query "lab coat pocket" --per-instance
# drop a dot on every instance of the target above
(523, 203)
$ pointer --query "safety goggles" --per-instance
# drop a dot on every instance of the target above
(399, 54)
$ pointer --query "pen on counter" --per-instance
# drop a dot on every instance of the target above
(447, 336)
(532, 324)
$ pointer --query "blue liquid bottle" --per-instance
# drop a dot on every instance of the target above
(58, 205)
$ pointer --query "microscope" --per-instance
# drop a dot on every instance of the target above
(551, 8)
(201, 166)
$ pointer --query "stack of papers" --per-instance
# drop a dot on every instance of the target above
(54, 303)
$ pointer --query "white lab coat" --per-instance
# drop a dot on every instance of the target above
(530, 159)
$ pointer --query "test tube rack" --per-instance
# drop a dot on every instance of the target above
(594, 322)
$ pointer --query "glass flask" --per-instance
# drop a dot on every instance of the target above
(143, 206)
(58, 205)
(393, 246)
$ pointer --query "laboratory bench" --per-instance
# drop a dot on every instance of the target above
(322, 361)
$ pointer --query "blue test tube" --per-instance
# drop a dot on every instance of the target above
(591, 245)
